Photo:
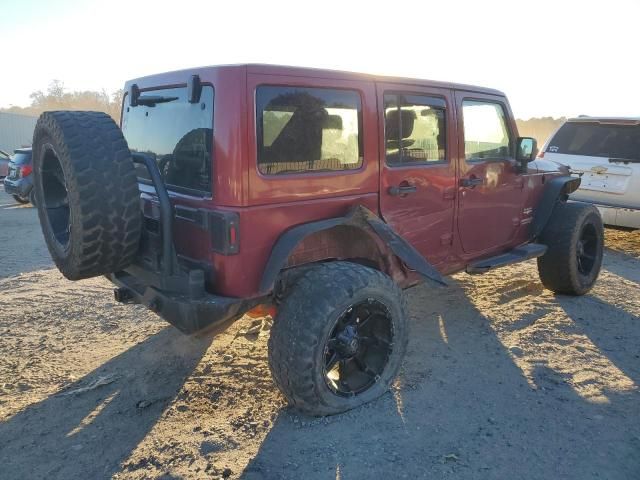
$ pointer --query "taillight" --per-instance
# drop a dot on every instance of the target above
(25, 171)
(225, 232)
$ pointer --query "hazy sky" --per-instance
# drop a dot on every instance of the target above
(556, 58)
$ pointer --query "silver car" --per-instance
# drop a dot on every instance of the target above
(605, 152)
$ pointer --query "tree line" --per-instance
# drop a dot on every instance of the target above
(57, 97)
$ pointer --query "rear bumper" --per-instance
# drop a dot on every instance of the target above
(20, 186)
(619, 216)
(189, 314)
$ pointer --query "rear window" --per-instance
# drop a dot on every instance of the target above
(178, 134)
(597, 140)
(21, 158)
(308, 130)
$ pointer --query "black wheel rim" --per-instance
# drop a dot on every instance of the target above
(56, 197)
(587, 249)
(358, 348)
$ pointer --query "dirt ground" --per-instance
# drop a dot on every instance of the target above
(503, 380)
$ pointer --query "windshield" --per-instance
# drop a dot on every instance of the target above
(21, 158)
(177, 133)
(597, 140)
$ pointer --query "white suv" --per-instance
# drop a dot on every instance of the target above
(605, 152)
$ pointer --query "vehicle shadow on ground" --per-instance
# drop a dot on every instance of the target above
(7, 202)
(623, 265)
(88, 434)
(619, 341)
(462, 408)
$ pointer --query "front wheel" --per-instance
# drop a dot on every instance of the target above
(575, 240)
(339, 338)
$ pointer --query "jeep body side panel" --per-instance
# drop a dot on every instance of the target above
(359, 217)
(268, 205)
(424, 215)
(261, 226)
(489, 213)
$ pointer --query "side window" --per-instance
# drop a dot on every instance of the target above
(414, 129)
(486, 135)
(308, 130)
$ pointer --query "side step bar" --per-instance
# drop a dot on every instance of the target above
(520, 254)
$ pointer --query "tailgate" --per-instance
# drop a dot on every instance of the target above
(598, 174)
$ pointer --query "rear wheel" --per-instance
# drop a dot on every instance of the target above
(338, 338)
(575, 240)
(20, 199)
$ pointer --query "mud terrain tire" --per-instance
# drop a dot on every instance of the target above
(86, 193)
(575, 240)
(311, 311)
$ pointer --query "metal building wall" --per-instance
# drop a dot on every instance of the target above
(15, 131)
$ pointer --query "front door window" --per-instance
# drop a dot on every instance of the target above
(486, 135)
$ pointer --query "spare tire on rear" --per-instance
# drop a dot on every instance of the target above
(86, 193)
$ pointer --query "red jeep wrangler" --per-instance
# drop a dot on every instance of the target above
(321, 193)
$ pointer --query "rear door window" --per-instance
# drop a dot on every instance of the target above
(597, 140)
(308, 130)
(414, 129)
(178, 134)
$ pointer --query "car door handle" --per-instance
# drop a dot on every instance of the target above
(471, 182)
(402, 190)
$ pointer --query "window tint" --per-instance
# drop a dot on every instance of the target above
(485, 131)
(597, 140)
(178, 134)
(414, 129)
(307, 130)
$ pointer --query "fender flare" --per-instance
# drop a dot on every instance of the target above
(359, 217)
(555, 190)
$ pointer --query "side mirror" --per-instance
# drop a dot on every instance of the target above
(527, 151)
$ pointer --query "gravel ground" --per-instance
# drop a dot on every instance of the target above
(503, 380)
